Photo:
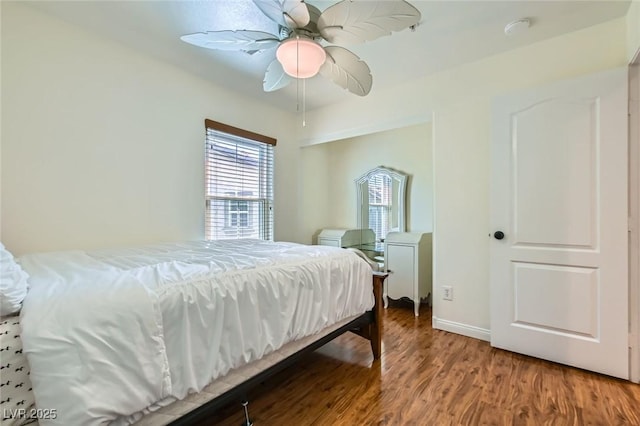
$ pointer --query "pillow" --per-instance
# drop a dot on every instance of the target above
(13, 283)
(17, 401)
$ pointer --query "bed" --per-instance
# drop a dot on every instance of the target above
(202, 322)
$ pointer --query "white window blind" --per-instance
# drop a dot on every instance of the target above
(380, 196)
(238, 183)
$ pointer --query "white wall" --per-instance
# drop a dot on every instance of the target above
(460, 99)
(103, 146)
(633, 30)
(413, 101)
(334, 167)
(314, 205)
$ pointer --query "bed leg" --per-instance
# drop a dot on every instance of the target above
(375, 328)
(247, 420)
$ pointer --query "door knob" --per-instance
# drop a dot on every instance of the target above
(498, 235)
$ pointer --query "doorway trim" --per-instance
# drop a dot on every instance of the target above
(634, 219)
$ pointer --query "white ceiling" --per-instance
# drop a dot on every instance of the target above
(449, 34)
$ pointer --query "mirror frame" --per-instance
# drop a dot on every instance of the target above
(400, 177)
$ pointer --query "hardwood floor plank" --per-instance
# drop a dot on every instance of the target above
(431, 377)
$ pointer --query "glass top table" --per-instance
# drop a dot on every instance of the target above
(373, 250)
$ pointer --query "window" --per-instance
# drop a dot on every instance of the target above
(238, 214)
(380, 196)
(238, 183)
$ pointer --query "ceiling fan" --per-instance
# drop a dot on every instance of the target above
(302, 27)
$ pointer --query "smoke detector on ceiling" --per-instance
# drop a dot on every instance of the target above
(517, 27)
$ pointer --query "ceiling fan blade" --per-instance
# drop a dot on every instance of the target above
(275, 78)
(314, 15)
(287, 13)
(347, 70)
(233, 40)
(352, 21)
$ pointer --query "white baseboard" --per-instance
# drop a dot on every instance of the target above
(464, 329)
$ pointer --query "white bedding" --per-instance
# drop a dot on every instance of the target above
(108, 333)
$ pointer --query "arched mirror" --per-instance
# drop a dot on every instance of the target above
(381, 194)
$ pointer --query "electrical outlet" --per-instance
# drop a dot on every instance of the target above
(447, 292)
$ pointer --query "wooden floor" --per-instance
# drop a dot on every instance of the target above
(431, 377)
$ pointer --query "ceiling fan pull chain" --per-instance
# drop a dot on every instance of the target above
(297, 95)
(297, 56)
(304, 85)
(297, 71)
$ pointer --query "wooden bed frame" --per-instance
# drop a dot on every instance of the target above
(367, 325)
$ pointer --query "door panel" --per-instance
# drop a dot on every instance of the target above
(559, 281)
(555, 145)
(560, 298)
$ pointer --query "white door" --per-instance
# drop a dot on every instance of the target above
(559, 277)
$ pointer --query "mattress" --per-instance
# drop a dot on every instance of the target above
(111, 333)
(161, 414)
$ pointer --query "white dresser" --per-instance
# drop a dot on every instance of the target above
(408, 261)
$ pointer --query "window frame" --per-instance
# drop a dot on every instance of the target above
(262, 201)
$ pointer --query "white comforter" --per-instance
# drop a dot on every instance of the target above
(111, 332)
